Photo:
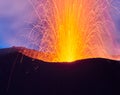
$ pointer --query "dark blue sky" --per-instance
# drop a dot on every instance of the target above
(13, 14)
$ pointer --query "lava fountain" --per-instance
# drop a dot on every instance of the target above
(69, 30)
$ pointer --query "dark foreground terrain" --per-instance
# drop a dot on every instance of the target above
(21, 75)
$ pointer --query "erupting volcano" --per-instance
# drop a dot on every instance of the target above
(69, 30)
(81, 38)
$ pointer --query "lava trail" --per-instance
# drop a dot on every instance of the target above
(68, 30)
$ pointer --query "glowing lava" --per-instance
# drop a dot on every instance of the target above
(73, 29)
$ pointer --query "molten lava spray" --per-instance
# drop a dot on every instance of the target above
(73, 30)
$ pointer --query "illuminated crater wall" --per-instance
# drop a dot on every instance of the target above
(69, 30)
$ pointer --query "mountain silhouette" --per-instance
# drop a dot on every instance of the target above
(22, 75)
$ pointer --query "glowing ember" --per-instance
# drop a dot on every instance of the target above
(72, 30)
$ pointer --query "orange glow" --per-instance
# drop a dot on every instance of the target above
(78, 29)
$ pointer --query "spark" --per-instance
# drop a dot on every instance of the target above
(72, 30)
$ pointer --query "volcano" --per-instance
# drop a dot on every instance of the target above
(22, 75)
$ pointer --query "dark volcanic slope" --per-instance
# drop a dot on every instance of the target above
(21, 75)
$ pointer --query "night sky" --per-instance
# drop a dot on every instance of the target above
(14, 20)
